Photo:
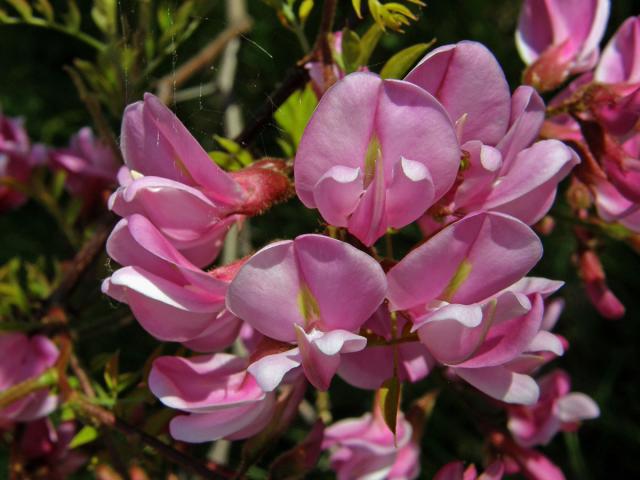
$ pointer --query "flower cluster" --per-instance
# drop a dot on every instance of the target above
(89, 166)
(377, 156)
(597, 114)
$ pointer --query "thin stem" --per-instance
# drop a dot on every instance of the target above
(298, 30)
(104, 417)
(46, 379)
(77, 34)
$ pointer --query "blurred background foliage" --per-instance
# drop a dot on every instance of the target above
(603, 359)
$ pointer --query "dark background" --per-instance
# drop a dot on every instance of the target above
(603, 358)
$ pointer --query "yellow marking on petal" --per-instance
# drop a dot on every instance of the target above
(135, 174)
(182, 168)
(372, 158)
(462, 273)
(308, 305)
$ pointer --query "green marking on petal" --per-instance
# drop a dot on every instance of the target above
(462, 273)
(308, 305)
(374, 154)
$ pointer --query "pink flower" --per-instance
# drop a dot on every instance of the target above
(45, 447)
(311, 294)
(473, 311)
(369, 368)
(16, 161)
(376, 154)
(557, 38)
(503, 170)
(171, 298)
(364, 448)
(90, 165)
(172, 181)
(24, 358)
(620, 62)
(529, 462)
(456, 471)
(557, 409)
(222, 398)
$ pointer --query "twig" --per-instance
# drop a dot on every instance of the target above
(81, 263)
(295, 79)
(108, 419)
(168, 83)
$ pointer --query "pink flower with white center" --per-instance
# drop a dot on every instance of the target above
(312, 294)
(557, 409)
(469, 305)
(369, 368)
(223, 400)
(456, 471)
(171, 298)
(503, 170)
(557, 38)
(365, 448)
(24, 358)
(376, 154)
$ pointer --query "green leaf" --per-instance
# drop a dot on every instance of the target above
(357, 6)
(242, 155)
(111, 372)
(104, 14)
(45, 8)
(304, 10)
(22, 7)
(400, 63)
(368, 43)
(86, 435)
(73, 18)
(389, 401)
(350, 50)
(293, 116)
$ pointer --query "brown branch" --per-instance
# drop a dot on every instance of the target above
(297, 77)
(81, 262)
(167, 84)
(294, 80)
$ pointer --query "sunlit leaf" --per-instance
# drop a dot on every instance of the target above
(45, 8)
(389, 401)
(22, 7)
(305, 9)
(86, 435)
(399, 64)
(350, 50)
(293, 116)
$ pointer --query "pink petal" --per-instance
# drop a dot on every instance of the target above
(206, 427)
(151, 131)
(337, 194)
(270, 370)
(467, 79)
(320, 353)
(534, 176)
(620, 62)
(527, 116)
(167, 311)
(575, 407)
(203, 383)
(502, 384)
(466, 252)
